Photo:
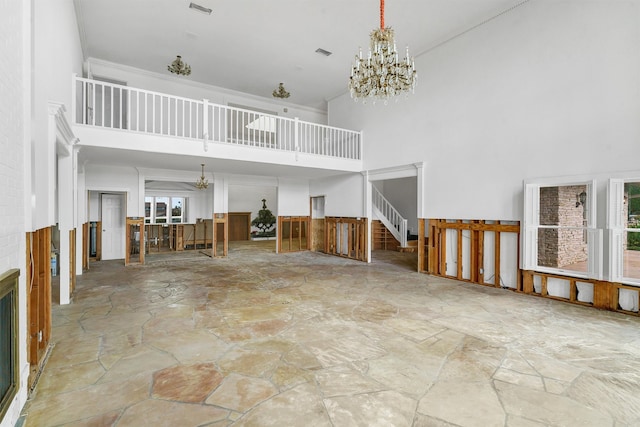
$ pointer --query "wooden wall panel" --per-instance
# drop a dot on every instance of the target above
(38, 298)
(239, 226)
(347, 237)
(293, 233)
(435, 261)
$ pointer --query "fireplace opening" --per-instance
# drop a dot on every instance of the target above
(8, 339)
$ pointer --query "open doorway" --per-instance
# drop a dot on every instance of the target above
(317, 224)
(252, 217)
(394, 227)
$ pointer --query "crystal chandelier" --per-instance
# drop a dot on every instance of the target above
(178, 67)
(381, 75)
(202, 183)
(280, 92)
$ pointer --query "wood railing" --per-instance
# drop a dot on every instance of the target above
(112, 106)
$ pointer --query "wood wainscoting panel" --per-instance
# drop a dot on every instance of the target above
(38, 298)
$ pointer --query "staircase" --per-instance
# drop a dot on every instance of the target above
(382, 239)
(389, 217)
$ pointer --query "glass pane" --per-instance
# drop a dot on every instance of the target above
(176, 206)
(148, 202)
(631, 207)
(162, 204)
(563, 248)
(564, 205)
(6, 344)
(631, 255)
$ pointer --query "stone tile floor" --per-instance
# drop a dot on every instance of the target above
(304, 339)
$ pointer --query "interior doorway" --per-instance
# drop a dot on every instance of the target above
(317, 224)
(113, 225)
(245, 203)
(394, 225)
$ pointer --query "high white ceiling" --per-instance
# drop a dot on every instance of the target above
(252, 45)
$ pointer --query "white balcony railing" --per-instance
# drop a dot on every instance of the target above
(389, 216)
(113, 106)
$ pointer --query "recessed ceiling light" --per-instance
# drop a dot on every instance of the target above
(323, 52)
(200, 8)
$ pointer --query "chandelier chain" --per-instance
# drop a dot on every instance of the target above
(382, 15)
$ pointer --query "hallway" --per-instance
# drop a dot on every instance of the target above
(305, 339)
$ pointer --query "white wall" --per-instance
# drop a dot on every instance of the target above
(166, 82)
(293, 197)
(105, 179)
(343, 194)
(15, 169)
(550, 88)
(56, 55)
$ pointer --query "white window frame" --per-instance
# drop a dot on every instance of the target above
(531, 225)
(169, 218)
(616, 231)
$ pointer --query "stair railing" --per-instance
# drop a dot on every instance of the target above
(389, 216)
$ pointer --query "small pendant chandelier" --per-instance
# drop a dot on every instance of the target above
(381, 75)
(178, 67)
(202, 183)
(280, 92)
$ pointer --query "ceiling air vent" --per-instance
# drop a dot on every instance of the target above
(200, 8)
(323, 52)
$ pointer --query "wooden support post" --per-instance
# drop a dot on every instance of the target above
(220, 232)
(497, 279)
(527, 282)
(421, 246)
(603, 295)
(72, 261)
(459, 262)
(85, 246)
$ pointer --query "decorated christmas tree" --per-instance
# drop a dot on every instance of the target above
(264, 221)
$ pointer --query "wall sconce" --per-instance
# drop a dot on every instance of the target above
(581, 199)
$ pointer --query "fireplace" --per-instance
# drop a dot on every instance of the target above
(8, 338)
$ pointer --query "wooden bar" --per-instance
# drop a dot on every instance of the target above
(72, 261)
(459, 261)
(497, 280)
(603, 295)
(85, 246)
(422, 262)
(480, 256)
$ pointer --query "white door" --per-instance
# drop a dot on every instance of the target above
(113, 226)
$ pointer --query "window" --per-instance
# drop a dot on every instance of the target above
(164, 209)
(624, 229)
(559, 235)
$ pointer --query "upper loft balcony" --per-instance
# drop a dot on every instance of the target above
(112, 116)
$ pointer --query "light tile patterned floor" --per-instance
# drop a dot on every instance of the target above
(305, 339)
